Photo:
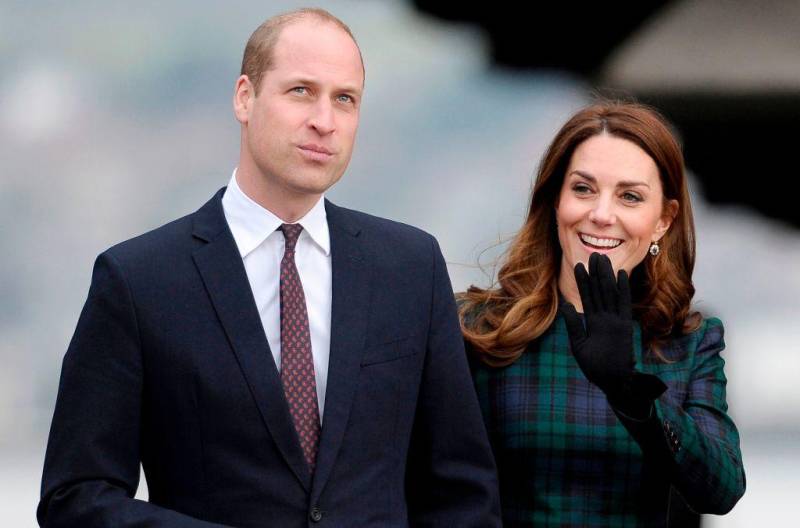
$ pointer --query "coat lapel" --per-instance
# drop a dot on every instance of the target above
(349, 305)
(224, 276)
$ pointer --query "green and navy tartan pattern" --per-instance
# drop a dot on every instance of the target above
(564, 457)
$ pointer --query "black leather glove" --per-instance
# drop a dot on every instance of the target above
(604, 347)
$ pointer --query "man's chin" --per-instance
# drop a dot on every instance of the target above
(312, 182)
(311, 189)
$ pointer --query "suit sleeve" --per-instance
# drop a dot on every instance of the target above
(91, 469)
(452, 478)
(697, 442)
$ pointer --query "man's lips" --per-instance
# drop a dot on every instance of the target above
(315, 148)
(315, 152)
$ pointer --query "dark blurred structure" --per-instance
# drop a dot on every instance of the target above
(742, 147)
(738, 136)
(562, 35)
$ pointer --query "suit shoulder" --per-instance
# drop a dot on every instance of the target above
(389, 233)
(154, 244)
(379, 224)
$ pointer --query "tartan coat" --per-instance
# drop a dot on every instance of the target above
(566, 458)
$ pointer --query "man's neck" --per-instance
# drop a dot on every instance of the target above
(286, 205)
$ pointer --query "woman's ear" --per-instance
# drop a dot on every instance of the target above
(667, 217)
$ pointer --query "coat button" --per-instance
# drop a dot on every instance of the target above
(315, 514)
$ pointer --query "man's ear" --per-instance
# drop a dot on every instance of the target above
(667, 217)
(243, 96)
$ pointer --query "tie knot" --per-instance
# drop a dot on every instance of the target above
(291, 232)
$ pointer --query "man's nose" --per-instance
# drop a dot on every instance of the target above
(322, 118)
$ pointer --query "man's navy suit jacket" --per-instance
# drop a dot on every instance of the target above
(169, 365)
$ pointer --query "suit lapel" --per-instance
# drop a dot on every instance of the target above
(225, 279)
(349, 306)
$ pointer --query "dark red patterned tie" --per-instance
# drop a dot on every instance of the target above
(297, 363)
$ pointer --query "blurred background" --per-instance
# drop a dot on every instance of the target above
(116, 118)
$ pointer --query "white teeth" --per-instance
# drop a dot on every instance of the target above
(601, 242)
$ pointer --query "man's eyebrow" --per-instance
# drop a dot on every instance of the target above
(299, 79)
(345, 87)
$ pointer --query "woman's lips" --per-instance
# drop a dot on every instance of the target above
(601, 244)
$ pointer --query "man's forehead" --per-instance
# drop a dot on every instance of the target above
(316, 36)
(313, 44)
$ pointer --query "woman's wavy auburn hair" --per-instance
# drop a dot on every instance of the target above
(501, 321)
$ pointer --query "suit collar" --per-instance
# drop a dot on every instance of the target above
(224, 276)
(351, 283)
(209, 220)
(251, 223)
(343, 219)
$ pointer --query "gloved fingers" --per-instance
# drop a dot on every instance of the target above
(594, 282)
(607, 283)
(624, 303)
(584, 289)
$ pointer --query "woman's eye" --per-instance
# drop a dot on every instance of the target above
(631, 197)
(581, 188)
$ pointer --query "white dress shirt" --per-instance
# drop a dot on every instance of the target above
(261, 245)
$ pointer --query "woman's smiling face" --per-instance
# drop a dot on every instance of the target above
(611, 202)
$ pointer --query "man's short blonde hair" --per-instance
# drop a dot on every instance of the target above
(260, 49)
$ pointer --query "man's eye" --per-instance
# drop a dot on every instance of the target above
(345, 99)
(299, 89)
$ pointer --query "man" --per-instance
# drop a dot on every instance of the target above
(273, 359)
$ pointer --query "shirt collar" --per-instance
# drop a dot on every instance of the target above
(251, 223)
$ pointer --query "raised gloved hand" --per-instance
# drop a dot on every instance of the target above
(603, 347)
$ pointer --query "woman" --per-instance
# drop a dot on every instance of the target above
(594, 418)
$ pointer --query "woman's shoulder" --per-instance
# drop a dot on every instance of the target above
(708, 328)
(705, 335)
